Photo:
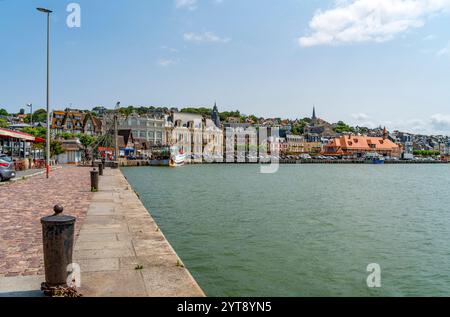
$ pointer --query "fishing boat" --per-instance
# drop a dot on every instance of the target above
(374, 158)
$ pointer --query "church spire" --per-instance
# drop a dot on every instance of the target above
(314, 113)
(215, 116)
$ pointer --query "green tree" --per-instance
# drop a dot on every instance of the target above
(426, 153)
(3, 112)
(127, 111)
(39, 132)
(86, 140)
(227, 114)
(40, 115)
(3, 123)
(66, 135)
(56, 148)
(299, 128)
(341, 127)
(200, 111)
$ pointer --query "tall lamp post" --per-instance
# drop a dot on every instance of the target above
(47, 165)
(30, 105)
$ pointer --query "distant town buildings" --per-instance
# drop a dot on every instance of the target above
(75, 121)
(227, 135)
(149, 127)
(194, 134)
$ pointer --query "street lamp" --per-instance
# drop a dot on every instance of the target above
(30, 105)
(47, 165)
(116, 142)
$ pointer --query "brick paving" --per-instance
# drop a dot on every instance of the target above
(22, 204)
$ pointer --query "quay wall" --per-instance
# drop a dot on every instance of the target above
(138, 163)
(121, 250)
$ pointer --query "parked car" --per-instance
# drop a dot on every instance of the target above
(7, 170)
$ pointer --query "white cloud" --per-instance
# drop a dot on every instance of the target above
(360, 116)
(444, 51)
(186, 4)
(204, 37)
(363, 120)
(356, 21)
(165, 62)
(440, 122)
(430, 37)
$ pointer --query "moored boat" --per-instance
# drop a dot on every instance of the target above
(160, 156)
(177, 157)
(374, 158)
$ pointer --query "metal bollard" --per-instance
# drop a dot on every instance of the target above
(58, 236)
(100, 169)
(94, 180)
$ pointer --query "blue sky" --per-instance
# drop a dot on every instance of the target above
(366, 62)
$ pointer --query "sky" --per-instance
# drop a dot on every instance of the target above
(366, 62)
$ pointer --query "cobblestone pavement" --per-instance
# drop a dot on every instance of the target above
(22, 204)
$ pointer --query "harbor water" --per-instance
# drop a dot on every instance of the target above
(307, 230)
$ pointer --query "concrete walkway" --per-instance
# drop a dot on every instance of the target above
(122, 252)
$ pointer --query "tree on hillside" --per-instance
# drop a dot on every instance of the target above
(200, 111)
(299, 128)
(127, 111)
(39, 132)
(341, 127)
(39, 115)
(3, 123)
(3, 112)
(227, 114)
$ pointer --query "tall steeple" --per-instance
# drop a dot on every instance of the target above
(314, 114)
(215, 116)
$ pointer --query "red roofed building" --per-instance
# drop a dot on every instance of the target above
(358, 146)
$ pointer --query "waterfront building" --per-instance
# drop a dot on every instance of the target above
(313, 148)
(406, 140)
(91, 124)
(18, 145)
(73, 152)
(196, 135)
(277, 145)
(240, 141)
(75, 121)
(126, 142)
(148, 127)
(357, 146)
(295, 144)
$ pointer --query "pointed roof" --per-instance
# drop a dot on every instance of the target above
(314, 113)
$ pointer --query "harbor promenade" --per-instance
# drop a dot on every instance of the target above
(121, 250)
(119, 247)
(24, 202)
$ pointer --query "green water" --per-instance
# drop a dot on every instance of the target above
(308, 230)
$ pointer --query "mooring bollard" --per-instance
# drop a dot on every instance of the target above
(94, 180)
(100, 169)
(58, 236)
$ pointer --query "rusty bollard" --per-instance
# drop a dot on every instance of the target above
(94, 180)
(58, 236)
(100, 169)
